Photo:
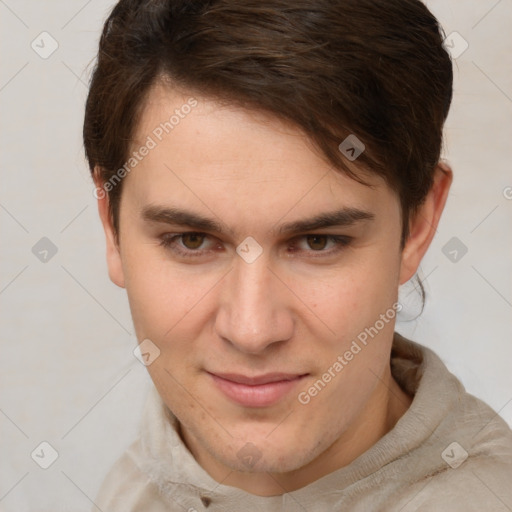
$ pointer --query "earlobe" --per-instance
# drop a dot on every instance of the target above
(114, 261)
(423, 225)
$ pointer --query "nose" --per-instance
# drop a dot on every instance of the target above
(255, 310)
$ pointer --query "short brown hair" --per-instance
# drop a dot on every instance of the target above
(373, 68)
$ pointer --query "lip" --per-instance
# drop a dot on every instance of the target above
(256, 391)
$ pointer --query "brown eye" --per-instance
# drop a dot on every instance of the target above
(317, 242)
(192, 240)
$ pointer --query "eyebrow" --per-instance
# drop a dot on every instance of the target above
(344, 217)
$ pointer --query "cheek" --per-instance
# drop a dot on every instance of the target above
(352, 297)
(169, 305)
(161, 306)
(158, 298)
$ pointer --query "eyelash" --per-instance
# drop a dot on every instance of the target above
(168, 241)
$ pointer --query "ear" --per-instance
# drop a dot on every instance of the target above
(423, 224)
(114, 262)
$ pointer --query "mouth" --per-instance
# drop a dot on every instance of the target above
(256, 391)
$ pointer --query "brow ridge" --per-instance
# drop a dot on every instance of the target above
(344, 217)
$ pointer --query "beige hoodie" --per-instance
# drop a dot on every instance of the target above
(448, 452)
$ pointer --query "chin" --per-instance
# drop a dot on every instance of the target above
(254, 454)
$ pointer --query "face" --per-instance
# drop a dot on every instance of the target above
(254, 266)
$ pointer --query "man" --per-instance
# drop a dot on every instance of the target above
(268, 175)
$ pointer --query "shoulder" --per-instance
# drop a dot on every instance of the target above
(126, 488)
(482, 481)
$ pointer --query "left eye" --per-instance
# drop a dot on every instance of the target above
(322, 244)
(317, 242)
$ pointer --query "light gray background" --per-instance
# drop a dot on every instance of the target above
(68, 375)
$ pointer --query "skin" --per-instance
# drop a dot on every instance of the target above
(295, 309)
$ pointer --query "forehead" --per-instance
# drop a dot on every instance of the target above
(214, 155)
